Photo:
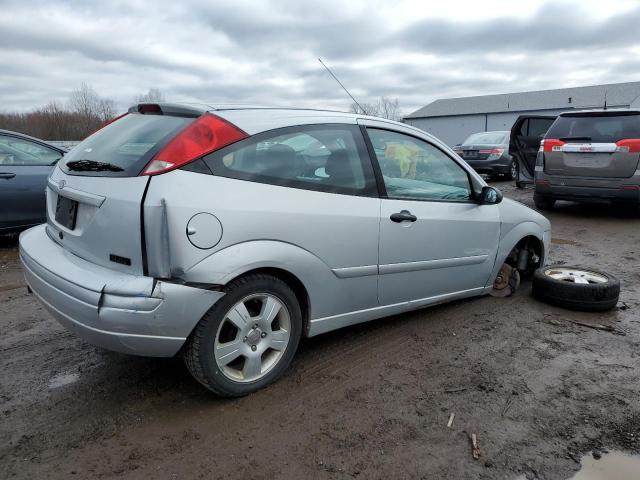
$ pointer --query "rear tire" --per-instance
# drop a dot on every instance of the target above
(512, 174)
(593, 291)
(543, 202)
(247, 339)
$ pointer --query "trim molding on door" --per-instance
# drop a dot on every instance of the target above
(351, 272)
(431, 264)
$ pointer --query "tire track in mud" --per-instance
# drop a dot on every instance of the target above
(326, 373)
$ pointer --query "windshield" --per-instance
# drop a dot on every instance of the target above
(126, 145)
(487, 138)
(595, 128)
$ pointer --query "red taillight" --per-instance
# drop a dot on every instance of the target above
(633, 188)
(492, 151)
(149, 108)
(629, 145)
(205, 135)
(551, 145)
(542, 183)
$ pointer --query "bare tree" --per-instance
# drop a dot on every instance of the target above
(154, 95)
(106, 109)
(384, 107)
(84, 100)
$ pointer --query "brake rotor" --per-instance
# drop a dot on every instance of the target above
(507, 281)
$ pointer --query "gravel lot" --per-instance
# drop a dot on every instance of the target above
(370, 401)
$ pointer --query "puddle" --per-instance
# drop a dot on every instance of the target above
(612, 465)
(63, 379)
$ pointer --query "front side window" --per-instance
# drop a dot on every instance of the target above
(414, 169)
(16, 151)
(326, 158)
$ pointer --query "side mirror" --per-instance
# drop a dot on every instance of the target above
(489, 196)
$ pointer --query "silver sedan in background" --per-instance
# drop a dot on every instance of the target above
(225, 234)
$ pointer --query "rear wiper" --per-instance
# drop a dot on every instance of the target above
(93, 166)
(588, 139)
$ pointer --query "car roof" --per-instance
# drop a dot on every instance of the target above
(255, 119)
(29, 137)
(601, 112)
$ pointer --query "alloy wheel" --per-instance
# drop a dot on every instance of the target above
(252, 337)
(574, 275)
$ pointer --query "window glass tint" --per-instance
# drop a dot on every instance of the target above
(598, 129)
(128, 142)
(413, 168)
(539, 126)
(16, 151)
(487, 138)
(328, 158)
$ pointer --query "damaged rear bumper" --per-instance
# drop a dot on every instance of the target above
(117, 311)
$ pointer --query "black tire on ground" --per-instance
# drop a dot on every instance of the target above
(198, 353)
(519, 185)
(543, 202)
(512, 174)
(588, 297)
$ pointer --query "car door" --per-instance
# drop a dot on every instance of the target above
(435, 241)
(24, 168)
(526, 134)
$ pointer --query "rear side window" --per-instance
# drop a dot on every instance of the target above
(329, 158)
(128, 143)
(595, 128)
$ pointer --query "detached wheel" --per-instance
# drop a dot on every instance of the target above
(247, 339)
(543, 203)
(576, 288)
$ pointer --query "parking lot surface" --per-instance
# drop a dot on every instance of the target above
(370, 401)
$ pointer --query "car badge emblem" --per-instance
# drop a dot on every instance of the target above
(61, 184)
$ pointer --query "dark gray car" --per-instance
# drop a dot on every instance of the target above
(25, 164)
(488, 152)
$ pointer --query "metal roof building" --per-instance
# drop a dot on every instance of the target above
(452, 120)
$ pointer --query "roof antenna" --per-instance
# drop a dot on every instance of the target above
(343, 87)
(605, 100)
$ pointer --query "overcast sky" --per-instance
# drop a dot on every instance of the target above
(266, 52)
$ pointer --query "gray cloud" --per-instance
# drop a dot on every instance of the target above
(258, 52)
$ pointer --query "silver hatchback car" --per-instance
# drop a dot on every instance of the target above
(226, 234)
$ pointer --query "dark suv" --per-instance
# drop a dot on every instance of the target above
(584, 156)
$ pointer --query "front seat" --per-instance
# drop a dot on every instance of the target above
(339, 170)
(280, 161)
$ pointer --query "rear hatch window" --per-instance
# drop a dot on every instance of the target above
(124, 147)
(597, 145)
(488, 138)
(601, 128)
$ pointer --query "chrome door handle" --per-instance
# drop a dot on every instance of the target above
(403, 216)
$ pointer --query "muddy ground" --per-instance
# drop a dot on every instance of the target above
(371, 401)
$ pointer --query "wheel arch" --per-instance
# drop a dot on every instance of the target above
(524, 232)
(292, 282)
